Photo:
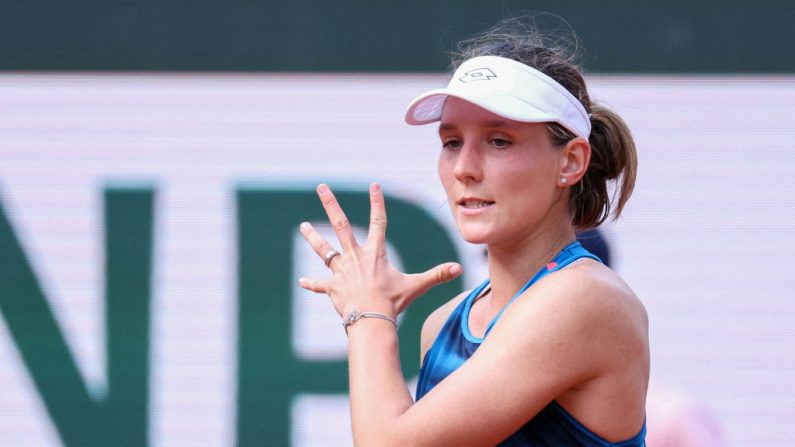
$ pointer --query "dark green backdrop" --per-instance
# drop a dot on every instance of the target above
(708, 36)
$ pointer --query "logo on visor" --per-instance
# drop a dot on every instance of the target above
(478, 74)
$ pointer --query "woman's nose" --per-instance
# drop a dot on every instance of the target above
(468, 166)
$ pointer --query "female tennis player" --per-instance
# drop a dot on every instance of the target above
(551, 349)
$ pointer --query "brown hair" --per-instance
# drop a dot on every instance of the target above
(613, 156)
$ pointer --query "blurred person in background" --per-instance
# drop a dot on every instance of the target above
(552, 349)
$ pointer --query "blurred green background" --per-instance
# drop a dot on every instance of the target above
(707, 36)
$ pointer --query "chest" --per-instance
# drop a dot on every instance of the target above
(481, 315)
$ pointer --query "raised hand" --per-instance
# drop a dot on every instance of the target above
(363, 280)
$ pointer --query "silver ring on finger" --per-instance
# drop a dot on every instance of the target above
(329, 256)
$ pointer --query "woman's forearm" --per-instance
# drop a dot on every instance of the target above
(378, 391)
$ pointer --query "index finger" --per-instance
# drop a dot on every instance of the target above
(377, 232)
(336, 217)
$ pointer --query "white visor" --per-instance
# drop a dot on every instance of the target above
(506, 88)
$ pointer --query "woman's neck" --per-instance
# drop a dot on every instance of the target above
(512, 263)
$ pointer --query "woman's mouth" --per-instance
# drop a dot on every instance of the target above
(474, 205)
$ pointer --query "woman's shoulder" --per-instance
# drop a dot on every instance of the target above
(434, 322)
(592, 285)
(592, 300)
(584, 320)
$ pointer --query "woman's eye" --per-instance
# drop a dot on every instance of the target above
(451, 144)
(500, 143)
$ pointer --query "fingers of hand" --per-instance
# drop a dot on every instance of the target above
(377, 231)
(439, 275)
(318, 243)
(315, 284)
(336, 217)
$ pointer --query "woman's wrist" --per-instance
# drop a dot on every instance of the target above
(376, 306)
(354, 316)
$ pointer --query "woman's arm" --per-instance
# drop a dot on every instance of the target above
(564, 332)
(510, 378)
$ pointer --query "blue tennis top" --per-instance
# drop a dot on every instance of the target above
(553, 425)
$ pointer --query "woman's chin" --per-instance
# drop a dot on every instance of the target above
(474, 236)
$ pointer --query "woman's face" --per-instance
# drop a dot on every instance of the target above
(501, 176)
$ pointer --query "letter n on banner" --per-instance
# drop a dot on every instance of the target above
(121, 417)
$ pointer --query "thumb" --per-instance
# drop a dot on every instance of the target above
(439, 275)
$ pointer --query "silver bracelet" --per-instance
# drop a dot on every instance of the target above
(355, 316)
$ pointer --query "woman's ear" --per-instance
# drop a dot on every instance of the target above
(575, 157)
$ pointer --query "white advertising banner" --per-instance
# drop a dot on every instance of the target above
(198, 166)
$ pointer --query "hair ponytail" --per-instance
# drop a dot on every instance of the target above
(613, 158)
